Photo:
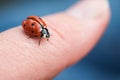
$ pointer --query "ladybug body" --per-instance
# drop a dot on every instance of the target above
(34, 26)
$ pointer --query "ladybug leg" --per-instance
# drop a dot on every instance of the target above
(47, 39)
(39, 42)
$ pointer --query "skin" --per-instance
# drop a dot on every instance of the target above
(74, 33)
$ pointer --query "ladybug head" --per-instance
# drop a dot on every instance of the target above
(45, 33)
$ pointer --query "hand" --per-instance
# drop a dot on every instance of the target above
(74, 33)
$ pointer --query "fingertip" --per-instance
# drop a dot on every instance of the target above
(90, 10)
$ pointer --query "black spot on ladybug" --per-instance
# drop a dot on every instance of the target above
(32, 24)
(32, 31)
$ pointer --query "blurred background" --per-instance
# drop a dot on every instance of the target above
(103, 62)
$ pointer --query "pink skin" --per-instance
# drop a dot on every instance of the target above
(74, 33)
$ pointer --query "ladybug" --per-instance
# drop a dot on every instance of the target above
(34, 26)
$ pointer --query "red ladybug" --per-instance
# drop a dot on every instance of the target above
(35, 27)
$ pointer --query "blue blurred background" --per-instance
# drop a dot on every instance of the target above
(103, 63)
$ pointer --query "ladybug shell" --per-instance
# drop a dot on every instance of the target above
(38, 19)
(31, 27)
